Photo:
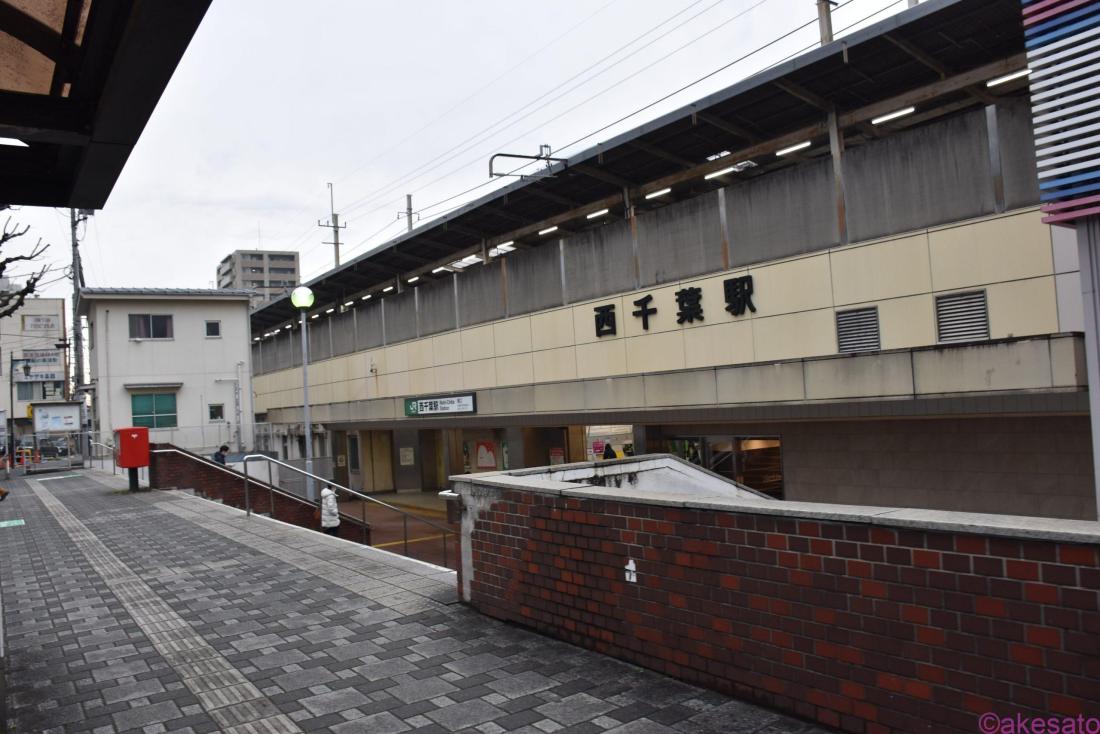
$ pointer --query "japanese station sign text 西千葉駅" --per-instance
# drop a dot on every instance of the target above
(442, 405)
(689, 305)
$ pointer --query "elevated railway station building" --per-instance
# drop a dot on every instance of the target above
(830, 281)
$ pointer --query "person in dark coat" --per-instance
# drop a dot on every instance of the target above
(219, 455)
(608, 451)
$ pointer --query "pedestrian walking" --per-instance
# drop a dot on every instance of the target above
(219, 455)
(330, 512)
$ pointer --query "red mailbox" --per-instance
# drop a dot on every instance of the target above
(132, 447)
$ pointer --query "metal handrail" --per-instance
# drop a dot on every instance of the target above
(405, 515)
(111, 449)
(234, 474)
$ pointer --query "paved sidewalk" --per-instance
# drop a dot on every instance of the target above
(161, 612)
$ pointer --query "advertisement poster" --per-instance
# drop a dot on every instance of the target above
(486, 455)
(557, 456)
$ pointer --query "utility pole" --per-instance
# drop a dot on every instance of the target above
(409, 211)
(335, 224)
(825, 20)
(78, 282)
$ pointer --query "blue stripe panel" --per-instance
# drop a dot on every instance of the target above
(1069, 193)
(1067, 31)
(1060, 19)
(1068, 180)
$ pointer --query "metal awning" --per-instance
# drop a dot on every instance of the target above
(152, 385)
(79, 80)
(936, 55)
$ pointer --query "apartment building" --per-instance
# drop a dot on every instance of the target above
(270, 274)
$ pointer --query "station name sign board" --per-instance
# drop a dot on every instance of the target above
(443, 405)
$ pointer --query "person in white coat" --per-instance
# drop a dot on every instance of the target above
(330, 512)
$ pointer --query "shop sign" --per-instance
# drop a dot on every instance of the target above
(445, 405)
(37, 376)
(42, 357)
(41, 322)
(557, 456)
(689, 305)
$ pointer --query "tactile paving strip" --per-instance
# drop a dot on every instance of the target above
(224, 692)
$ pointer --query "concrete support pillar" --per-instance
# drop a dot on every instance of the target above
(647, 440)
(1088, 248)
(406, 477)
(513, 438)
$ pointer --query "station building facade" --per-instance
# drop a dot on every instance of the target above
(918, 346)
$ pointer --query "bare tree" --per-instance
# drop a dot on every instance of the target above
(12, 300)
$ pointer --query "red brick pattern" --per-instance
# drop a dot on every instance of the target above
(866, 629)
(172, 471)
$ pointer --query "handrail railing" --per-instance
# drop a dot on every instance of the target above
(405, 515)
(110, 449)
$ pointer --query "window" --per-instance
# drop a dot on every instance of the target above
(217, 412)
(150, 326)
(280, 270)
(26, 391)
(154, 410)
(281, 258)
(962, 317)
(214, 328)
(857, 330)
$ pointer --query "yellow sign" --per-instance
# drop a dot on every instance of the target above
(30, 411)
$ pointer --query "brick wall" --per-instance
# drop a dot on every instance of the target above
(191, 471)
(864, 628)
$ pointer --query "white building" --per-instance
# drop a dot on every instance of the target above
(31, 336)
(174, 360)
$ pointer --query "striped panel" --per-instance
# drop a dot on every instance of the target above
(857, 331)
(962, 317)
(1063, 52)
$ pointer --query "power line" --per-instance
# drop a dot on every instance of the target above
(481, 89)
(451, 153)
(644, 107)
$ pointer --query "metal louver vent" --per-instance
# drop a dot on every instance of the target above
(857, 331)
(962, 317)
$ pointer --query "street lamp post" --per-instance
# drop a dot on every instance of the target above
(302, 298)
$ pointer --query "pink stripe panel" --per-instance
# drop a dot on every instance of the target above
(1071, 203)
(1069, 216)
(1041, 6)
(1032, 19)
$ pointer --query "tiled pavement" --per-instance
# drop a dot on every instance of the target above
(162, 612)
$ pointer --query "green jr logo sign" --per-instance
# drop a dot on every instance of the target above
(412, 407)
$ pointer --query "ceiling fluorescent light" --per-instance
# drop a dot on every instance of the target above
(716, 156)
(600, 213)
(413, 279)
(659, 192)
(716, 174)
(13, 142)
(349, 303)
(893, 115)
(744, 166)
(387, 289)
(440, 269)
(315, 316)
(793, 148)
(1007, 77)
(365, 298)
(329, 310)
(548, 230)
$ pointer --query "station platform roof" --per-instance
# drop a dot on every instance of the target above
(79, 80)
(936, 56)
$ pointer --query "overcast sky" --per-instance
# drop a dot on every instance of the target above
(273, 99)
